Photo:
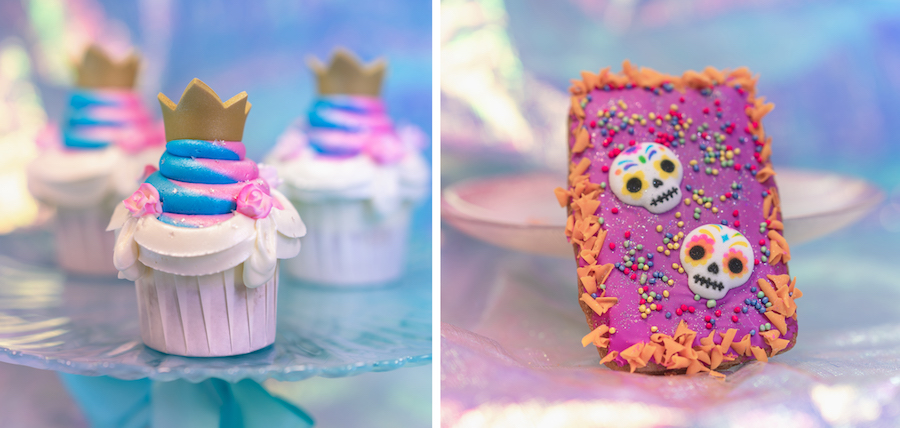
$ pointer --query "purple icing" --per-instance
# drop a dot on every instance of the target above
(641, 224)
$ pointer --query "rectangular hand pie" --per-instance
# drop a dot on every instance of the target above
(675, 221)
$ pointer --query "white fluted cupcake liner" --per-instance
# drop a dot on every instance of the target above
(350, 244)
(206, 316)
(82, 243)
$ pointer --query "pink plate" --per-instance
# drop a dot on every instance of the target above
(520, 212)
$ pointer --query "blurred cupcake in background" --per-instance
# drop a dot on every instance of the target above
(353, 176)
(94, 159)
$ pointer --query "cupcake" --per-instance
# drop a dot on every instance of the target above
(97, 160)
(353, 176)
(201, 237)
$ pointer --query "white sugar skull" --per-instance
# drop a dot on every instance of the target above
(647, 175)
(716, 259)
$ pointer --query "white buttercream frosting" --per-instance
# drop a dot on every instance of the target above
(309, 176)
(144, 242)
(85, 178)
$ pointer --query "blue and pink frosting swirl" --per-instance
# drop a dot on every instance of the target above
(97, 119)
(347, 125)
(201, 183)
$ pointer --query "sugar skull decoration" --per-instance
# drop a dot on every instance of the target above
(716, 259)
(647, 175)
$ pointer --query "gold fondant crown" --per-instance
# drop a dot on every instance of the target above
(98, 70)
(201, 115)
(347, 75)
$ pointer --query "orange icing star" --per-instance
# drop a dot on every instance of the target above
(707, 343)
(696, 367)
(727, 339)
(772, 339)
(609, 357)
(562, 196)
(766, 288)
(582, 140)
(589, 283)
(594, 335)
(760, 108)
(766, 151)
(579, 169)
(777, 320)
(590, 79)
(780, 250)
(576, 107)
(601, 304)
(633, 356)
(765, 173)
(759, 354)
(742, 347)
(577, 88)
(715, 358)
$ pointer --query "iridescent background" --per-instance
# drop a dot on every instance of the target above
(832, 68)
(256, 46)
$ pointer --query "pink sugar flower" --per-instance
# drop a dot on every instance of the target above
(49, 137)
(144, 201)
(413, 137)
(253, 202)
(385, 149)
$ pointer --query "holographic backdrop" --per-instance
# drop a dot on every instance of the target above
(832, 68)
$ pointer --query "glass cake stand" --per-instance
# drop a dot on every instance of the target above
(520, 212)
(89, 326)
